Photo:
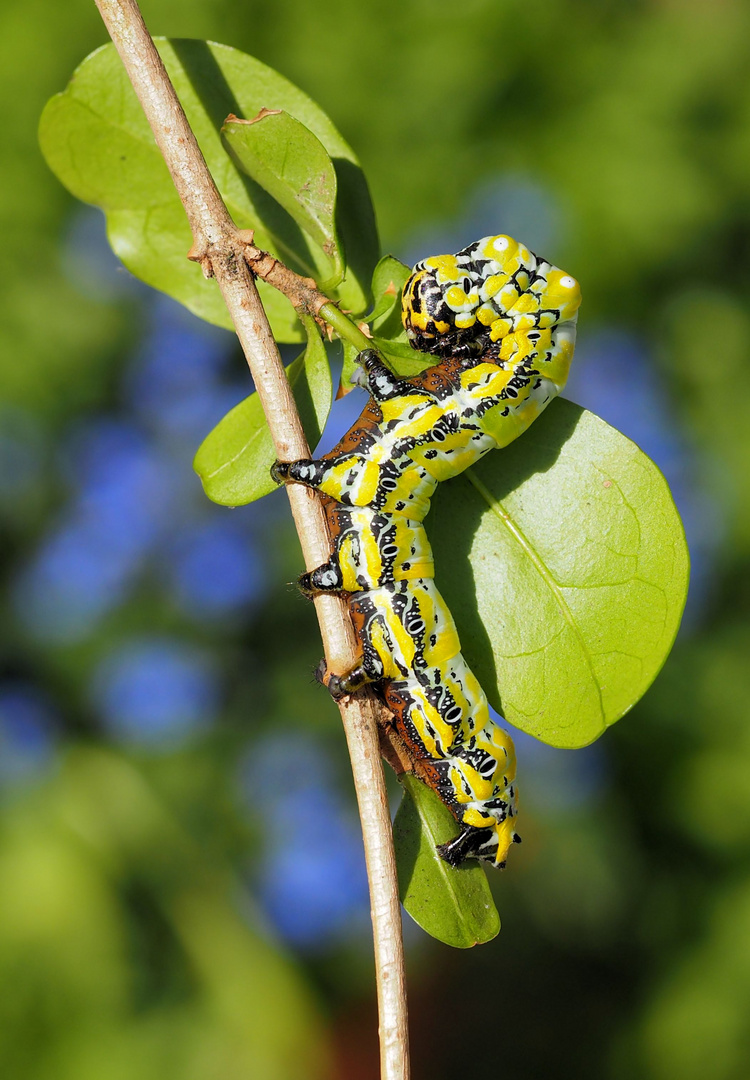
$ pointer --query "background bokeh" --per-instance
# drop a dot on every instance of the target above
(182, 893)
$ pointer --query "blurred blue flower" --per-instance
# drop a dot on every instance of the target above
(311, 896)
(124, 500)
(177, 379)
(156, 692)
(216, 568)
(311, 878)
(127, 486)
(613, 375)
(27, 727)
(73, 581)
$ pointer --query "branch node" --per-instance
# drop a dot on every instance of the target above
(199, 253)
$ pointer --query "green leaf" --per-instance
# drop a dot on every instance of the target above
(234, 460)
(351, 352)
(402, 358)
(451, 904)
(389, 277)
(293, 166)
(388, 280)
(568, 574)
(96, 139)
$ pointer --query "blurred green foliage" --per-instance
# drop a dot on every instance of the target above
(80, 863)
(624, 948)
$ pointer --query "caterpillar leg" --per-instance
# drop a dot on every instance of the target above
(327, 578)
(476, 843)
(468, 844)
(350, 478)
(350, 682)
(304, 471)
(372, 375)
(370, 667)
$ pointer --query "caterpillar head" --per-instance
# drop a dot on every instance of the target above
(455, 305)
(439, 307)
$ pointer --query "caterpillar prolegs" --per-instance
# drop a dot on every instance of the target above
(501, 323)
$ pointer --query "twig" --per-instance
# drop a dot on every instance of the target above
(301, 291)
(221, 249)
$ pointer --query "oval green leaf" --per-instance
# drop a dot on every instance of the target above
(96, 139)
(351, 352)
(451, 904)
(401, 357)
(234, 459)
(388, 280)
(564, 561)
(293, 166)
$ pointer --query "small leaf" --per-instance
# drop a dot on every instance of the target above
(388, 280)
(293, 166)
(402, 358)
(387, 285)
(451, 904)
(234, 460)
(568, 574)
(96, 139)
(389, 277)
(351, 352)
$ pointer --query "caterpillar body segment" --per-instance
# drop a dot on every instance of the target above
(501, 322)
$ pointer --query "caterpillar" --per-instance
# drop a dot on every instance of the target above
(501, 323)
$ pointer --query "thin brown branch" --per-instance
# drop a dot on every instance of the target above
(222, 251)
(302, 291)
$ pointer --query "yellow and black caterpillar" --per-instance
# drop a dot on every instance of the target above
(502, 323)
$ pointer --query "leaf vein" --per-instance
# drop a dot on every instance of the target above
(533, 555)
